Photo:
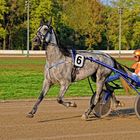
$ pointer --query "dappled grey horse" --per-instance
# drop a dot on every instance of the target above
(60, 68)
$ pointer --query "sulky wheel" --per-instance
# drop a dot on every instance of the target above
(137, 106)
(102, 109)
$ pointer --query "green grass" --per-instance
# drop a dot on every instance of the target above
(21, 78)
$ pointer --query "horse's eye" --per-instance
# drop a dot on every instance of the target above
(45, 29)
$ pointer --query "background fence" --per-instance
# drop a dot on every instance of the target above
(23, 53)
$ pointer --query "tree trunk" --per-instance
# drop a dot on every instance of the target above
(4, 43)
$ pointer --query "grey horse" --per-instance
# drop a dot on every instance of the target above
(60, 68)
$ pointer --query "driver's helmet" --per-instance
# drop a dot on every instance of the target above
(137, 52)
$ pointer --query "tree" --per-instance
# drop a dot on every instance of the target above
(84, 24)
(85, 17)
(3, 32)
(13, 20)
(39, 10)
(130, 23)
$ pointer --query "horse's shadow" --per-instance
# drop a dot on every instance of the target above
(60, 119)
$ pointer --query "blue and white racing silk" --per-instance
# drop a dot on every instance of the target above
(135, 77)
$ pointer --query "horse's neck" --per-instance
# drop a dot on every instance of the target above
(53, 39)
(53, 54)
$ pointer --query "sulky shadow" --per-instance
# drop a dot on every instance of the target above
(123, 112)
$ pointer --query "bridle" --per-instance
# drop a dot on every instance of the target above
(42, 36)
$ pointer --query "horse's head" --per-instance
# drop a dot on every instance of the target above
(43, 35)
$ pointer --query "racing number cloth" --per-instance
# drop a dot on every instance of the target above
(136, 66)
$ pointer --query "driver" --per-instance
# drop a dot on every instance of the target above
(136, 65)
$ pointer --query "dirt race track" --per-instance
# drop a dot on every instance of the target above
(55, 122)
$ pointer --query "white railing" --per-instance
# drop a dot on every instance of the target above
(20, 52)
(115, 53)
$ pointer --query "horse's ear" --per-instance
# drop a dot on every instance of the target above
(42, 22)
(49, 22)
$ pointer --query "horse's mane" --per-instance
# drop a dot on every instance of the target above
(65, 51)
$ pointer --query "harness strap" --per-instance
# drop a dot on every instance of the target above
(73, 55)
(56, 64)
(48, 67)
(74, 69)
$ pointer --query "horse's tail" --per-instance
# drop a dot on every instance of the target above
(124, 69)
(125, 85)
(118, 66)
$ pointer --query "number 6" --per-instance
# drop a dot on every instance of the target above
(79, 60)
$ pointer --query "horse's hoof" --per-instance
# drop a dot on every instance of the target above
(73, 104)
(84, 117)
(30, 115)
(120, 104)
(70, 104)
(97, 115)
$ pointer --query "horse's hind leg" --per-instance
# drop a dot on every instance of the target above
(46, 87)
(111, 89)
(99, 86)
(117, 102)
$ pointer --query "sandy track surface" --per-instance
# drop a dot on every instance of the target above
(56, 122)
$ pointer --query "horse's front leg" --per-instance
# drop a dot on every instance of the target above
(46, 87)
(62, 92)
